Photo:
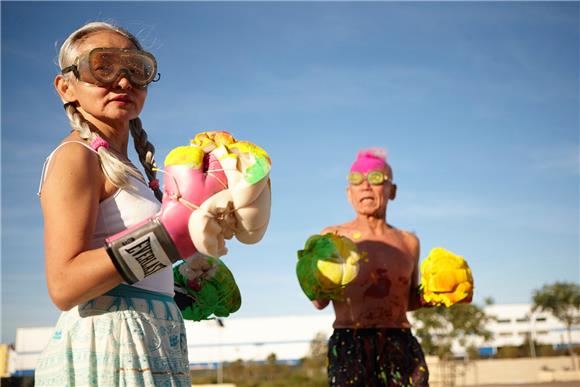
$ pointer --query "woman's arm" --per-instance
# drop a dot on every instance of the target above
(71, 193)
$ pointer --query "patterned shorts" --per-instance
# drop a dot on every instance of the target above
(126, 337)
(376, 357)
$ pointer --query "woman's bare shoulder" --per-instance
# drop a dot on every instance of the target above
(73, 166)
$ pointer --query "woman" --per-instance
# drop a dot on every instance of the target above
(110, 333)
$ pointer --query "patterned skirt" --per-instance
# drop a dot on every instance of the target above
(376, 357)
(126, 337)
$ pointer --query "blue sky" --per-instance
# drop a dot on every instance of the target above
(476, 103)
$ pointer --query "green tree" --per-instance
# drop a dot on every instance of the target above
(316, 362)
(562, 300)
(439, 326)
(319, 347)
(271, 359)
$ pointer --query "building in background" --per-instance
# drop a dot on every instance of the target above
(214, 342)
(29, 343)
(516, 324)
(4, 350)
(254, 339)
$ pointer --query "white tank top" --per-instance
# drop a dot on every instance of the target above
(120, 211)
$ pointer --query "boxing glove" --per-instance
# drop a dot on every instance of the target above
(446, 279)
(243, 209)
(204, 287)
(326, 265)
(191, 175)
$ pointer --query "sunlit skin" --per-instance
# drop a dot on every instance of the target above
(75, 184)
(381, 294)
(108, 109)
(370, 201)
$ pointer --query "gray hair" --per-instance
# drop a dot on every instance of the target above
(115, 169)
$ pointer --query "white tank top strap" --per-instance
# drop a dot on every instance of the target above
(47, 161)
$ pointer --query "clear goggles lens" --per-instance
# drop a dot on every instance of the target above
(103, 66)
(373, 177)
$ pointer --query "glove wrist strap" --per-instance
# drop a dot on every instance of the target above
(142, 250)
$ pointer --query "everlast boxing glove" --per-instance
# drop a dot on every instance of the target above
(191, 175)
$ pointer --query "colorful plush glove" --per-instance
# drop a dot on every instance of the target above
(243, 208)
(326, 265)
(446, 278)
(191, 175)
(205, 287)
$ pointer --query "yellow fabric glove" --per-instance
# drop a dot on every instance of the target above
(446, 278)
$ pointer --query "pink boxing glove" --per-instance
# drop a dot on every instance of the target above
(185, 189)
(191, 175)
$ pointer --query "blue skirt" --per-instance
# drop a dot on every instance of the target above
(126, 337)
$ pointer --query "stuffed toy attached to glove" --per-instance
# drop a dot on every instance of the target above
(326, 265)
(446, 278)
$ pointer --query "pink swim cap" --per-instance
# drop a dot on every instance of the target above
(374, 159)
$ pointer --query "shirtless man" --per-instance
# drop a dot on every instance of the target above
(372, 343)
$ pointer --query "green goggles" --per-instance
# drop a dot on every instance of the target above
(103, 66)
(373, 177)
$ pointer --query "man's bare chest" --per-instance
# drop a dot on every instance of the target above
(382, 267)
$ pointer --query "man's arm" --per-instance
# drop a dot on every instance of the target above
(415, 295)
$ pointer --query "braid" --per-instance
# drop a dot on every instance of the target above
(113, 168)
(146, 151)
(78, 123)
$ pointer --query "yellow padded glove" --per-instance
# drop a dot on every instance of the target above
(446, 278)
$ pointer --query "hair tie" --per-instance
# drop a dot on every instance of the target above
(98, 142)
(154, 184)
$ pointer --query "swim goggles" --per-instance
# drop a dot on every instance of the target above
(373, 177)
(103, 66)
